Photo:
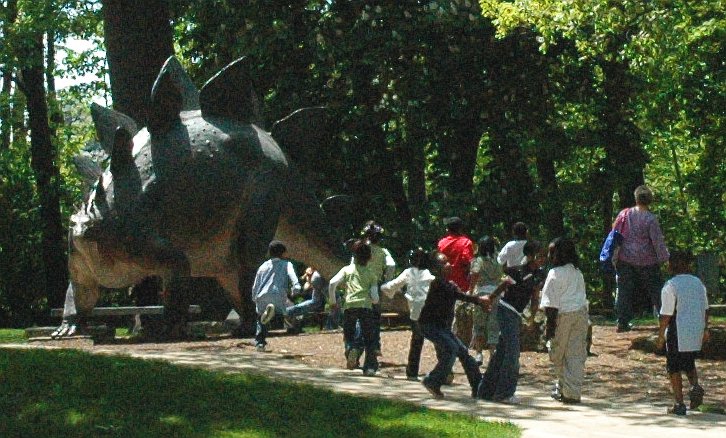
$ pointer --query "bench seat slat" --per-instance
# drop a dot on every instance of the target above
(127, 310)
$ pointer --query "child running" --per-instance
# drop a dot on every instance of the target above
(435, 322)
(416, 279)
(499, 382)
(360, 285)
(486, 274)
(275, 279)
(683, 328)
(565, 304)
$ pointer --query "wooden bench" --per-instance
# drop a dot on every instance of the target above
(388, 317)
(135, 311)
(321, 317)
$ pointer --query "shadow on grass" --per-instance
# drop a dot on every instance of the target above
(72, 394)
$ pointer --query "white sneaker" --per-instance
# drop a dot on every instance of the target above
(479, 359)
(260, 347)
(267, 314)
(513, 400)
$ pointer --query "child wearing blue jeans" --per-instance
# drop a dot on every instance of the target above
(360, 285)
(274, 280)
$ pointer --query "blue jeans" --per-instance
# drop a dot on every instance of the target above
(645, 279)
(448, 348)
(364, 317)
(304, 307)
(500, 379)
(376, 330)
(414, 350)
(261, 333)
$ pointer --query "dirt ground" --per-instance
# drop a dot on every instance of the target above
(614, 372)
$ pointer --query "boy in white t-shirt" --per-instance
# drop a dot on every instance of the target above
(512, 254)
(683, 328)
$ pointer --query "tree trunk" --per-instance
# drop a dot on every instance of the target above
(622, 137)
(414, 163)
(56, 115)
(514, 185)
(5, 109)
(138, 39)
(6, 126)
(43, 162)
(551, 203)
(462, 148)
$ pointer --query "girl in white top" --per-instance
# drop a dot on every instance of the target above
(565, 304)
(417, 280)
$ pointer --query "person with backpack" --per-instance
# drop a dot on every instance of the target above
(638, 258)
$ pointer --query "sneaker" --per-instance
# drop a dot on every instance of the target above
(267, 314)
(260, 347)
(352, 359)
(513, 400)
(479, 359)
(412, 378)
(696, 396)
(677, 409)
(369, 372)
(433, 390)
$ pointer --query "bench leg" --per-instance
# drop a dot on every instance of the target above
(137, 325)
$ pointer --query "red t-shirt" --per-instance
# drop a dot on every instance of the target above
(459, 249)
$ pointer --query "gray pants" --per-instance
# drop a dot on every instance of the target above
(568, 351)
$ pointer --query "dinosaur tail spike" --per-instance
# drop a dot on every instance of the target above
(231, 93)
(106, 121)
(122, 147)
(166, 102)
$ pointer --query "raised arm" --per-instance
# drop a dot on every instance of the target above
(396, 285)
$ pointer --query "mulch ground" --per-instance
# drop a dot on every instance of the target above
(613, 373)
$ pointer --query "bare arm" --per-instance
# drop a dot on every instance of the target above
(664, 321)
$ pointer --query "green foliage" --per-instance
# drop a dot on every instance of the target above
(89, 396)
(497, 111)
(23, 298)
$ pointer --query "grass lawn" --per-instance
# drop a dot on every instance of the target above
(67, 393)
(12, 336)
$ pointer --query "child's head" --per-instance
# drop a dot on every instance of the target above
(440, 265)
(535, 253)
(454, 225)
(487, 246)
(519, 231)
(361, 252)
(680, 262)
(372, 231)
(276, 249)
(562, 251)
(418, 258)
